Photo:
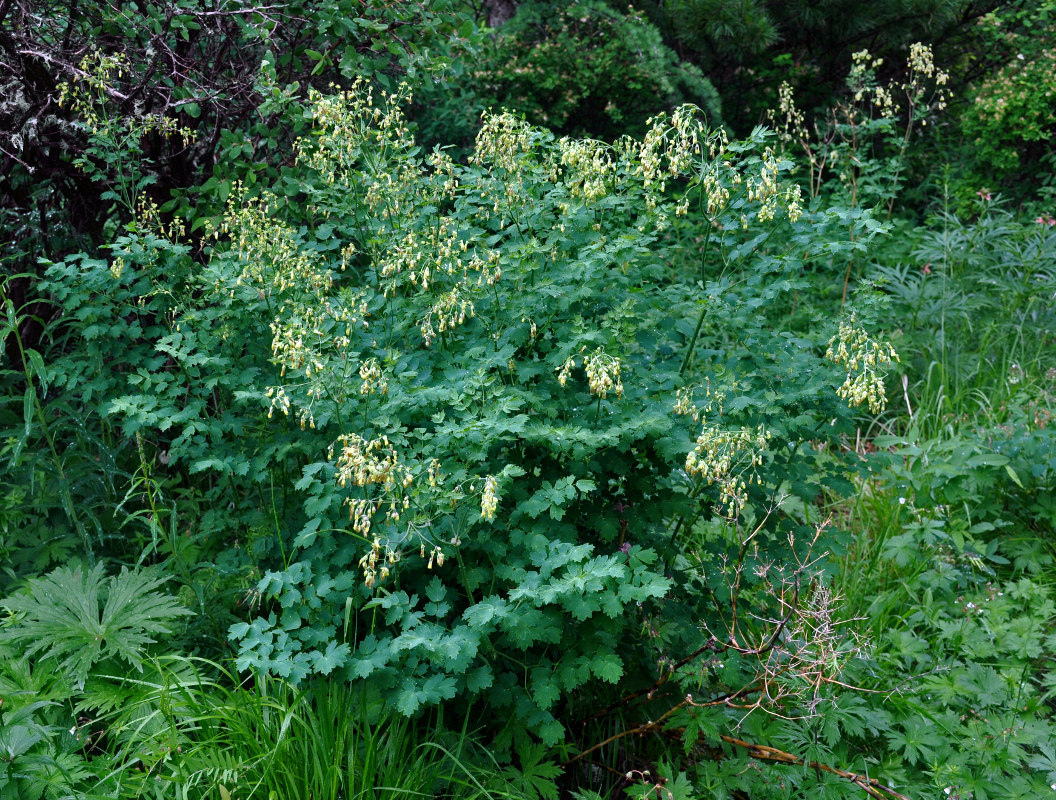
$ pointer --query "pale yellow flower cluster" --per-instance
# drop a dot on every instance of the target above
(588, 168)
(723, 457)
(489, 271)
(392, 194)
(794, 202)
(564, 372)
(279, 399)
(377, 555)
(148, 217)
(603, 373)
(489, 500)
(720, 177)
(376, 463)
(273, 260)
(686, 406)
(923, 76)
(365, 463)
(922, 62)
(840, 143)
(716, 189)
(504, 141)
(96, 70)
(668, 149)
(362, 463)
(448, 312)
(423, 256)
(443, 164)
(436, 555)
(763, 190)
(371, 377)
(289, 348)
(310, 324)
(861, 80)
(304, 338)
(793, 123)
(866, 360)
(591, 170)
(350, 122)
(348, 252)
(433, 473)
(88, 91)
(361, 144)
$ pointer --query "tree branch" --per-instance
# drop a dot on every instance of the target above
(871, 786)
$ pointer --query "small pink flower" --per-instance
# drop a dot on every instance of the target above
(1046, 219)
(926, 269)
(985, 194)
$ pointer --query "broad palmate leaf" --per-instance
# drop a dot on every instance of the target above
(80, 617)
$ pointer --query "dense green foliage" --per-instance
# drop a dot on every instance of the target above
(1012, 115)
(749, 47)
(580, 68)
(358, 438)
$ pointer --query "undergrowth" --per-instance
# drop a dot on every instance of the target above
(569, 468)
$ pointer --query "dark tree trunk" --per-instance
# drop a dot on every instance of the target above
(497, 12)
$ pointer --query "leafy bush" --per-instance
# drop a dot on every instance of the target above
(975, 298)
(954, 524)
(1011, 116)
(78, 636)
(750, 47)
(554, 439)
(183, 64)
(581, 69)
(507, 382)
(446, 331)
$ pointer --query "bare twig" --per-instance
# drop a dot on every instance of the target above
(871, 786)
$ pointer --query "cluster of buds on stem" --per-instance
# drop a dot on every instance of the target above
(866, 361)
(371, 377)
(377, 562)
(489, 500)
(449, 312)
(365, 463)
(728, 458)
(603, 373)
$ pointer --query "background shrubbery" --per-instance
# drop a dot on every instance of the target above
(395, 404)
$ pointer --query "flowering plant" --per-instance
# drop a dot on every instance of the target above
(483, 376)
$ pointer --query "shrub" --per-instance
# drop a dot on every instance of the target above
(522, 436)
(580, 69)
(493, 359)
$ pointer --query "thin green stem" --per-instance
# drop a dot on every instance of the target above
(49, 437)
(693, 340)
